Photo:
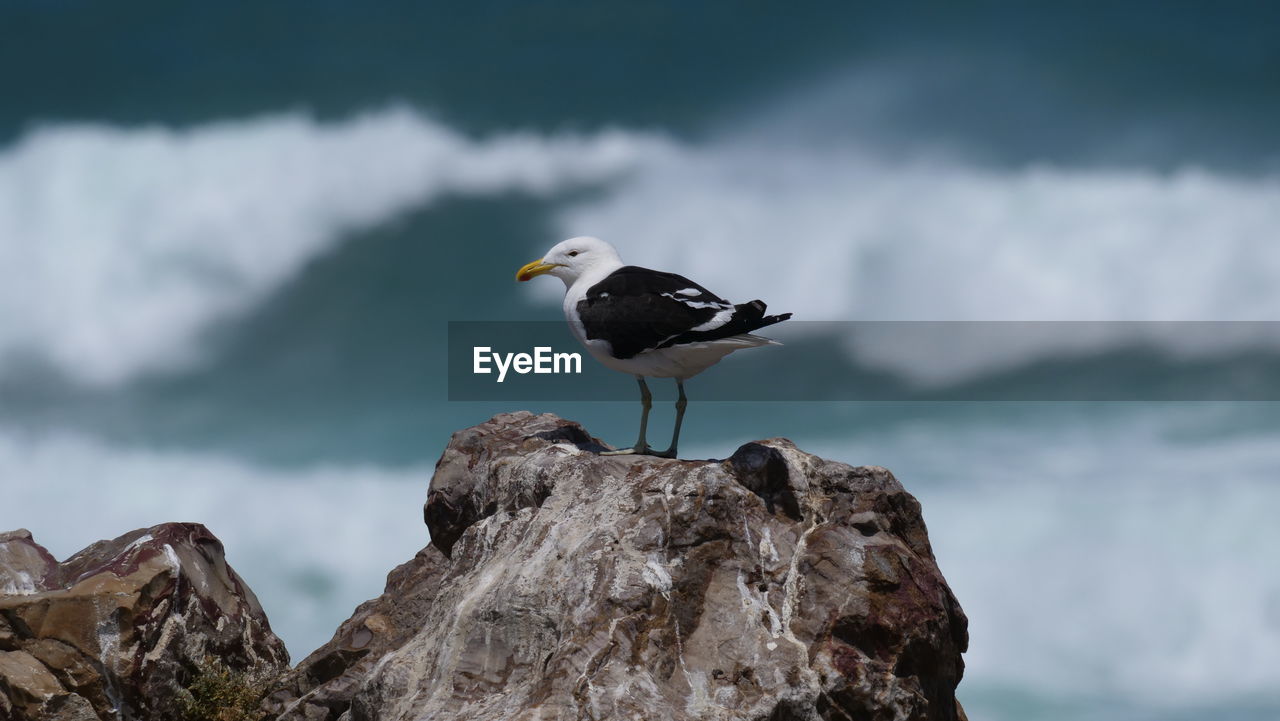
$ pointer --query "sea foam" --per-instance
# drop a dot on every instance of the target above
(118, 246)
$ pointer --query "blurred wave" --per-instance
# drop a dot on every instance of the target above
(120, 245)
(215, 277)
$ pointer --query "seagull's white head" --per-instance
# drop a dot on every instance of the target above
(571, 259)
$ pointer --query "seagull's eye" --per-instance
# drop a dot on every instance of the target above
(573, 254)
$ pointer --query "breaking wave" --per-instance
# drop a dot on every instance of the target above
(118, 246)
(121, 245)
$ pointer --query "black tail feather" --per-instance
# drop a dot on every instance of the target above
(771, 319)
(752, 314)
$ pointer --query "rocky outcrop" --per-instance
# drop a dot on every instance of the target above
(119, 630)
(562, 584)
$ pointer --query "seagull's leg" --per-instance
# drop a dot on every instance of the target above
(646, 402)
(681, 402)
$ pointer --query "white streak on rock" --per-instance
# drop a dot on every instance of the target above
(658, 578)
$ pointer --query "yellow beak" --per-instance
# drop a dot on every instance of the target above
(537, 267)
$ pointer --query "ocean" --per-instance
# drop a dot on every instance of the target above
(232, 237)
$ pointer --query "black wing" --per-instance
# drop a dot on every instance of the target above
(636, 309)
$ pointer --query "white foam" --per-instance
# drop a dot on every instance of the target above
(119, 245)
(833, 233)
(311, 543)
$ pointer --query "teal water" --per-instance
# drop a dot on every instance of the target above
(231, 238)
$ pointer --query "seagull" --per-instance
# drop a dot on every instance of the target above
(647, 323)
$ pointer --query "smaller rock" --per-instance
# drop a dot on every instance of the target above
(121, 628)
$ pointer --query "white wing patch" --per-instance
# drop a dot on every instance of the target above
(696, 304)
(717, 320)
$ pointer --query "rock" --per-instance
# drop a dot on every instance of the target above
(31, 691)
(562, 584)
(25, 565)
(120, 629)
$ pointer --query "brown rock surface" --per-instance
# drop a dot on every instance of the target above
(116, 631)
(562, 584)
